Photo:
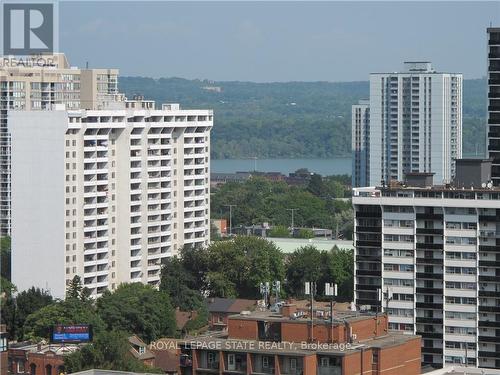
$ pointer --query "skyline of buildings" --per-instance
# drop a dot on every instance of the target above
(125, 188)
(426, 240)
(123, 184)
(103, 187)
(415, 125)
(38, 85)
(434, 253)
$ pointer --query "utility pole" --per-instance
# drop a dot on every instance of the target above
(331, 290)
(293, 211)
(230, 218)
(310, 288)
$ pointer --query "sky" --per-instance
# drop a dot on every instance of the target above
(275, 41)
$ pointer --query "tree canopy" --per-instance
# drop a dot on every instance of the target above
(139, 309)
(259, 200)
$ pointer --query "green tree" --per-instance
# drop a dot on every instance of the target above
(304, 264)
(237, 267)
(139, 309)
(176, 282)
(5, 255)
(76, 290)
(38, 324)
(305, 233)
(340, 266)
(28, 302)
(316, 185)
(279, 231)
(109, 351)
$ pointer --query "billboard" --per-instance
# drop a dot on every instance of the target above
(75, 333)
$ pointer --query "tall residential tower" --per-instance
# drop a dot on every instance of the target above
(37, 84)
(429, 256)
(106, 194)
(361, 143)
(493, 134)
(415, 124)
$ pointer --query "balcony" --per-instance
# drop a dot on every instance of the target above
(368, 272)
(429, 260)
(490, 323)
(430, 246)
(493, 339)
(430, 335)
(429, 275)
(429, 305)
(493, 309)
(438, 291)
(429, 320)
(429, 216)
(426, 350)
(430, 231)
(368, 214)
(485, 354)
(369, 243)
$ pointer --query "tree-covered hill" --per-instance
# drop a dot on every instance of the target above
(287, 120)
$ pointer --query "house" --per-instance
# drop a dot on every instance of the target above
(182, 317)
(220, 308)
(139, 350)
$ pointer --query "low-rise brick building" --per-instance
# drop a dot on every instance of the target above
(286, 343)
(38, 359)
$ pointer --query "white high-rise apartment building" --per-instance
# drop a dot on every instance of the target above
(106, 194)
(415, 123)
(37, 84)
(434, 253)
(361, 143)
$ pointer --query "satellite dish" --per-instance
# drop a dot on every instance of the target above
(483, 185)
(490, 185)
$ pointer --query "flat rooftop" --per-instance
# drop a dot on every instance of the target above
(339, 317)
(286, 348)
(433, 188)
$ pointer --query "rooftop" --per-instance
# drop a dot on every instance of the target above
(289, 245)
(230, 305)
(287, 348)
(460, 370)
(340, 316)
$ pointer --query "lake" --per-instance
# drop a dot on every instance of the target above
(324, 167)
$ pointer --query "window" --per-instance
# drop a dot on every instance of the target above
(293, 364)
(211, 359)
(265, 362)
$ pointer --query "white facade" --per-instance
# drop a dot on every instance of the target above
(38, 84)
(436, 252)
(360, 118)
(106, 194)
(415, 123)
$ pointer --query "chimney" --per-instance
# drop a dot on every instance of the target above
(288, 309)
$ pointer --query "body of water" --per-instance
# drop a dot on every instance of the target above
(325, 167)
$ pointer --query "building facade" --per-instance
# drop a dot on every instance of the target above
(38, 84)
(415, 123)
(430, 258)
(264, 342)
(493, 133)
(361, 143)
(106, 194)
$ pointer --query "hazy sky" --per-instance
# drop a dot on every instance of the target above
(279, 41)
